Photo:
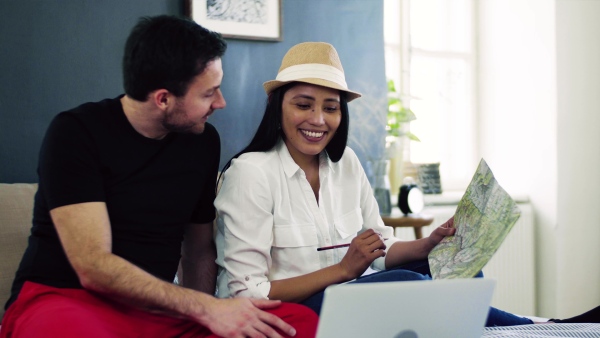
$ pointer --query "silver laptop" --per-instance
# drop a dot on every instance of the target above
(415, 309)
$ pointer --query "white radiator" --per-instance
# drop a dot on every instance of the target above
(512, 265)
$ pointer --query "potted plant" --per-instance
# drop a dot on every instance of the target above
(397, 131)
(398, 116)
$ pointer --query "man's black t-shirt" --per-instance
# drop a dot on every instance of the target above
(151, 188)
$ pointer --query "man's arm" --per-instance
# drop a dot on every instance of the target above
(84, 231)
(198, 254)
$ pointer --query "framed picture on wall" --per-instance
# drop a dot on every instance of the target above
(239, 19)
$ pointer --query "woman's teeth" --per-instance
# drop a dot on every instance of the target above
(313, 133)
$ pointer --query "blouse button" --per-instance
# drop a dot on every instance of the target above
(247, 278)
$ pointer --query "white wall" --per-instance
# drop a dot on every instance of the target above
(534, 105)
(578, 79)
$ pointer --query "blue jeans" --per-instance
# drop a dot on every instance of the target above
(419, 270)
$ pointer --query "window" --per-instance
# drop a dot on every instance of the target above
(430, 55)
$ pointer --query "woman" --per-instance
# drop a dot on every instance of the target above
(297, 187)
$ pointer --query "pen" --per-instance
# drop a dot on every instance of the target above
(333, 247)
(336, 246)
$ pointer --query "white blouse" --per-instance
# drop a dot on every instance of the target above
(270, 224)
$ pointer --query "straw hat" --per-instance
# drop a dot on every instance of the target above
(312, 62)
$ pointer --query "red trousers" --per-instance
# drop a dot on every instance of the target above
(43, 311)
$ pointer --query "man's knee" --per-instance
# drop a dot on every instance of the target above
(52, 316)
(298, 311)
(301, 317)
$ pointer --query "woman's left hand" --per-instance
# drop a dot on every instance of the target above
(446, 229)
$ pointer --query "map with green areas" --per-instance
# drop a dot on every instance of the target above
(483, 218)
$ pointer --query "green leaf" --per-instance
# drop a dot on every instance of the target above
(412, 137)
(397, 114)
(391, 86)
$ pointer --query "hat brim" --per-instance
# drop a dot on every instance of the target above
(269, 86)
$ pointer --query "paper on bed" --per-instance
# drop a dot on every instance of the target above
(483, 218)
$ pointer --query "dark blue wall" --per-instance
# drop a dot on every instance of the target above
(56, 55)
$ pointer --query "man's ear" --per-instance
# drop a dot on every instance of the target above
(161, 98)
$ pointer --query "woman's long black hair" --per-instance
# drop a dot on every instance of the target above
(269, 131)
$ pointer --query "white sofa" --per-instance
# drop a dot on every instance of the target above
(16, 211)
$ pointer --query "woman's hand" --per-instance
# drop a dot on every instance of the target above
(446, 229)
(363, 250)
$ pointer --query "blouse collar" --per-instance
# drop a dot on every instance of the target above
(291, 168)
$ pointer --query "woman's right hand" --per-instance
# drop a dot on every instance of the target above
(363, 250)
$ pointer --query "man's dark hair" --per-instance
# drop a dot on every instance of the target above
(167, 52)
(269, 130)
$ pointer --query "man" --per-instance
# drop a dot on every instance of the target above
(122, 184)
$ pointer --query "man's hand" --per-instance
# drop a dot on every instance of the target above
(243, 317)
(363, 250)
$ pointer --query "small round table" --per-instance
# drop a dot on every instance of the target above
(416, 221)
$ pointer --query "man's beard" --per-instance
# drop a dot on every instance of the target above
(172, 123)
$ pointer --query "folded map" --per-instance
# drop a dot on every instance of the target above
(483, 218)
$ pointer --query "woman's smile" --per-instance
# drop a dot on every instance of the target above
(312, 135)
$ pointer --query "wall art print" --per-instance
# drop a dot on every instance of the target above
(239, 19)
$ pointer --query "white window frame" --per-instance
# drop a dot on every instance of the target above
(457, 154)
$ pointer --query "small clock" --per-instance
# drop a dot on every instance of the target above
(410, 199)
